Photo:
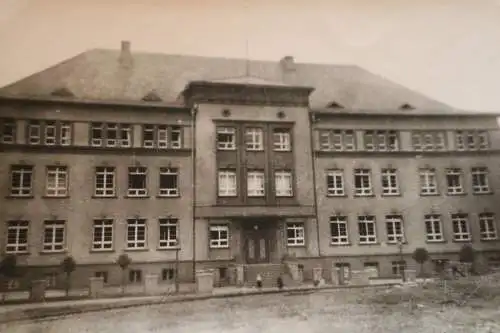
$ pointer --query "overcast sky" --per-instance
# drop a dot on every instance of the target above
(447, 49)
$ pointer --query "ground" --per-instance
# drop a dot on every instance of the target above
(353, 310)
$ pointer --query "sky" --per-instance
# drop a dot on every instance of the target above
(446, 49)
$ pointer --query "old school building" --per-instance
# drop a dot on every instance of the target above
(197, 162)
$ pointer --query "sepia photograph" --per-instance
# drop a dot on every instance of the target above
(249, 166)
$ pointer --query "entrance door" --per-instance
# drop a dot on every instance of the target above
(256, 246)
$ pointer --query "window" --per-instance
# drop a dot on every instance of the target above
(103, 235)
(338, 230)
(433, 229)
(21, 184)
(335, 183)
(17, 237)
(366, 229)
(65, 134)
(57, 181)
(282, 139)
(398, 267)
(8, 131)
(136, 233)
(487, 226)
(460, 227)
(471, 140)
(480, 183)
(110, 135)
(428, 182)
(104, 182)
(176, 137)
(227, 183)
(53, 236)
(381, 141)
(226, 138)
(295, 234)
(219, 236)
(167, 274)
(337, 140)
(429, 141)
(51, 279)
(362, 182)
(103, 275)
(135, 276)
(454, 181)
(168, 233)
(390, 182)
(283, 183)
(50, 134)
(34, 133)
(254, 139)
(161, 136)
(137, 177)
(394, 226)
(255, 183)
(169, 186)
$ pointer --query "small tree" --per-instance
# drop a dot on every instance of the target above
(467, 254)
(124, 261)
(8, 270)
(68, 266)
(421, 256)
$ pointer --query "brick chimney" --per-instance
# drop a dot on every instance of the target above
(125, 54)
(288, 63)
(288, 69)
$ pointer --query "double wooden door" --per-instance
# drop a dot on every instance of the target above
(257, 244)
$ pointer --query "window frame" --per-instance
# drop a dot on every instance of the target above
(20, 229)
(225, 177)
(137, 226)
(57, 226)
(337, 223)
(392, 224)
(430, 222)
(363, 191)
(458, 189)
(369, 238)
(142, 175)
(6, 123)
(390, 176)
(165, 227)
(488, 229)
(220, 242)
(231, 133)
(105, 225)
(282, 139)
(480, 186)
(299, 234)
(461, 220)
(105, 172)
(172, 192)
(279, 178)
(332, 178)
(254, 177)
(254, 139)
(21, 191)
(61, 175)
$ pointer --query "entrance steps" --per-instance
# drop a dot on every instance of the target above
(269, 274)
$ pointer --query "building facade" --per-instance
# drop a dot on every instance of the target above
(194, 167)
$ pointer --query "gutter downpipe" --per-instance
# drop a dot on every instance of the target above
(194, 111)
(312, 120)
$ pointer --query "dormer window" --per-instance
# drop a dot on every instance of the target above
(334, 105)
(62, 92)
(407, 106)
(152, 96)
